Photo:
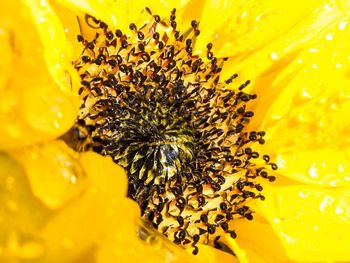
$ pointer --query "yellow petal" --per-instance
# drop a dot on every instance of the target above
(209, 254)
(78, 227)
(30, 227)
(311, 111)
(54, 175)
(37, 102)
(19, 223)
(124, 244)
(266, 62)
(238, 27)
(259, 240)
(313, 223)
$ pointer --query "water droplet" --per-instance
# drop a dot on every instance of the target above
(313, 50)
(274, 56)
(326, 202)
(338, 65)
(243, 15)
(326, 7)
(339, 210)
(313, 171)
(304, 194)
(342, 25)
(329, 37)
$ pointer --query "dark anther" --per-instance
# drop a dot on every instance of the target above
(248, 150)
(224, 226)
(199, 188)
(112, 62)
(141, 47)
(118, 33)
(249, 216)
(266, 158)
(180, 220)
(151, 216)
(98, 61)
(233, 234)
(223, 206)
(85, 83)
(210, 55)
(156, 36)
(160, 207)
(261, 141)
(171, 64)
(201, 200)
(140, 35)
(181, 202)
(209, 46)
(241, 110)
(109, 35)
(274, 166)
(258, 187)
(123, 68)
(263, 174)
(236, 162)
(195, 239)
(173, 24)
(103, 25)
(80, 38)
(132, 26)
(157, 18)
(254, 155)
(271, 178)
(219, 218)
(211, 229)
(124, 44)
(188, 42)
(241, 211)
(160, 45)
(261, 133)
(204, 218)
(148, 10)
(85, 59)
(180, 235)
(249, 114)
(239, 185)
(119, 59)
(194, 24)
(146, 57)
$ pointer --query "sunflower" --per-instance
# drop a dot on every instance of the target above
(57, 205)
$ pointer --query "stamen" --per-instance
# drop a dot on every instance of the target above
(161, 112)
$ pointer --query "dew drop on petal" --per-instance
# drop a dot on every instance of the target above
(274, 56)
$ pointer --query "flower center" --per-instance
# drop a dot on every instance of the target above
(161, 112)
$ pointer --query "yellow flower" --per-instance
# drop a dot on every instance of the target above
(57, 207)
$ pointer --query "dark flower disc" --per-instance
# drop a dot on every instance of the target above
(162, 113)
